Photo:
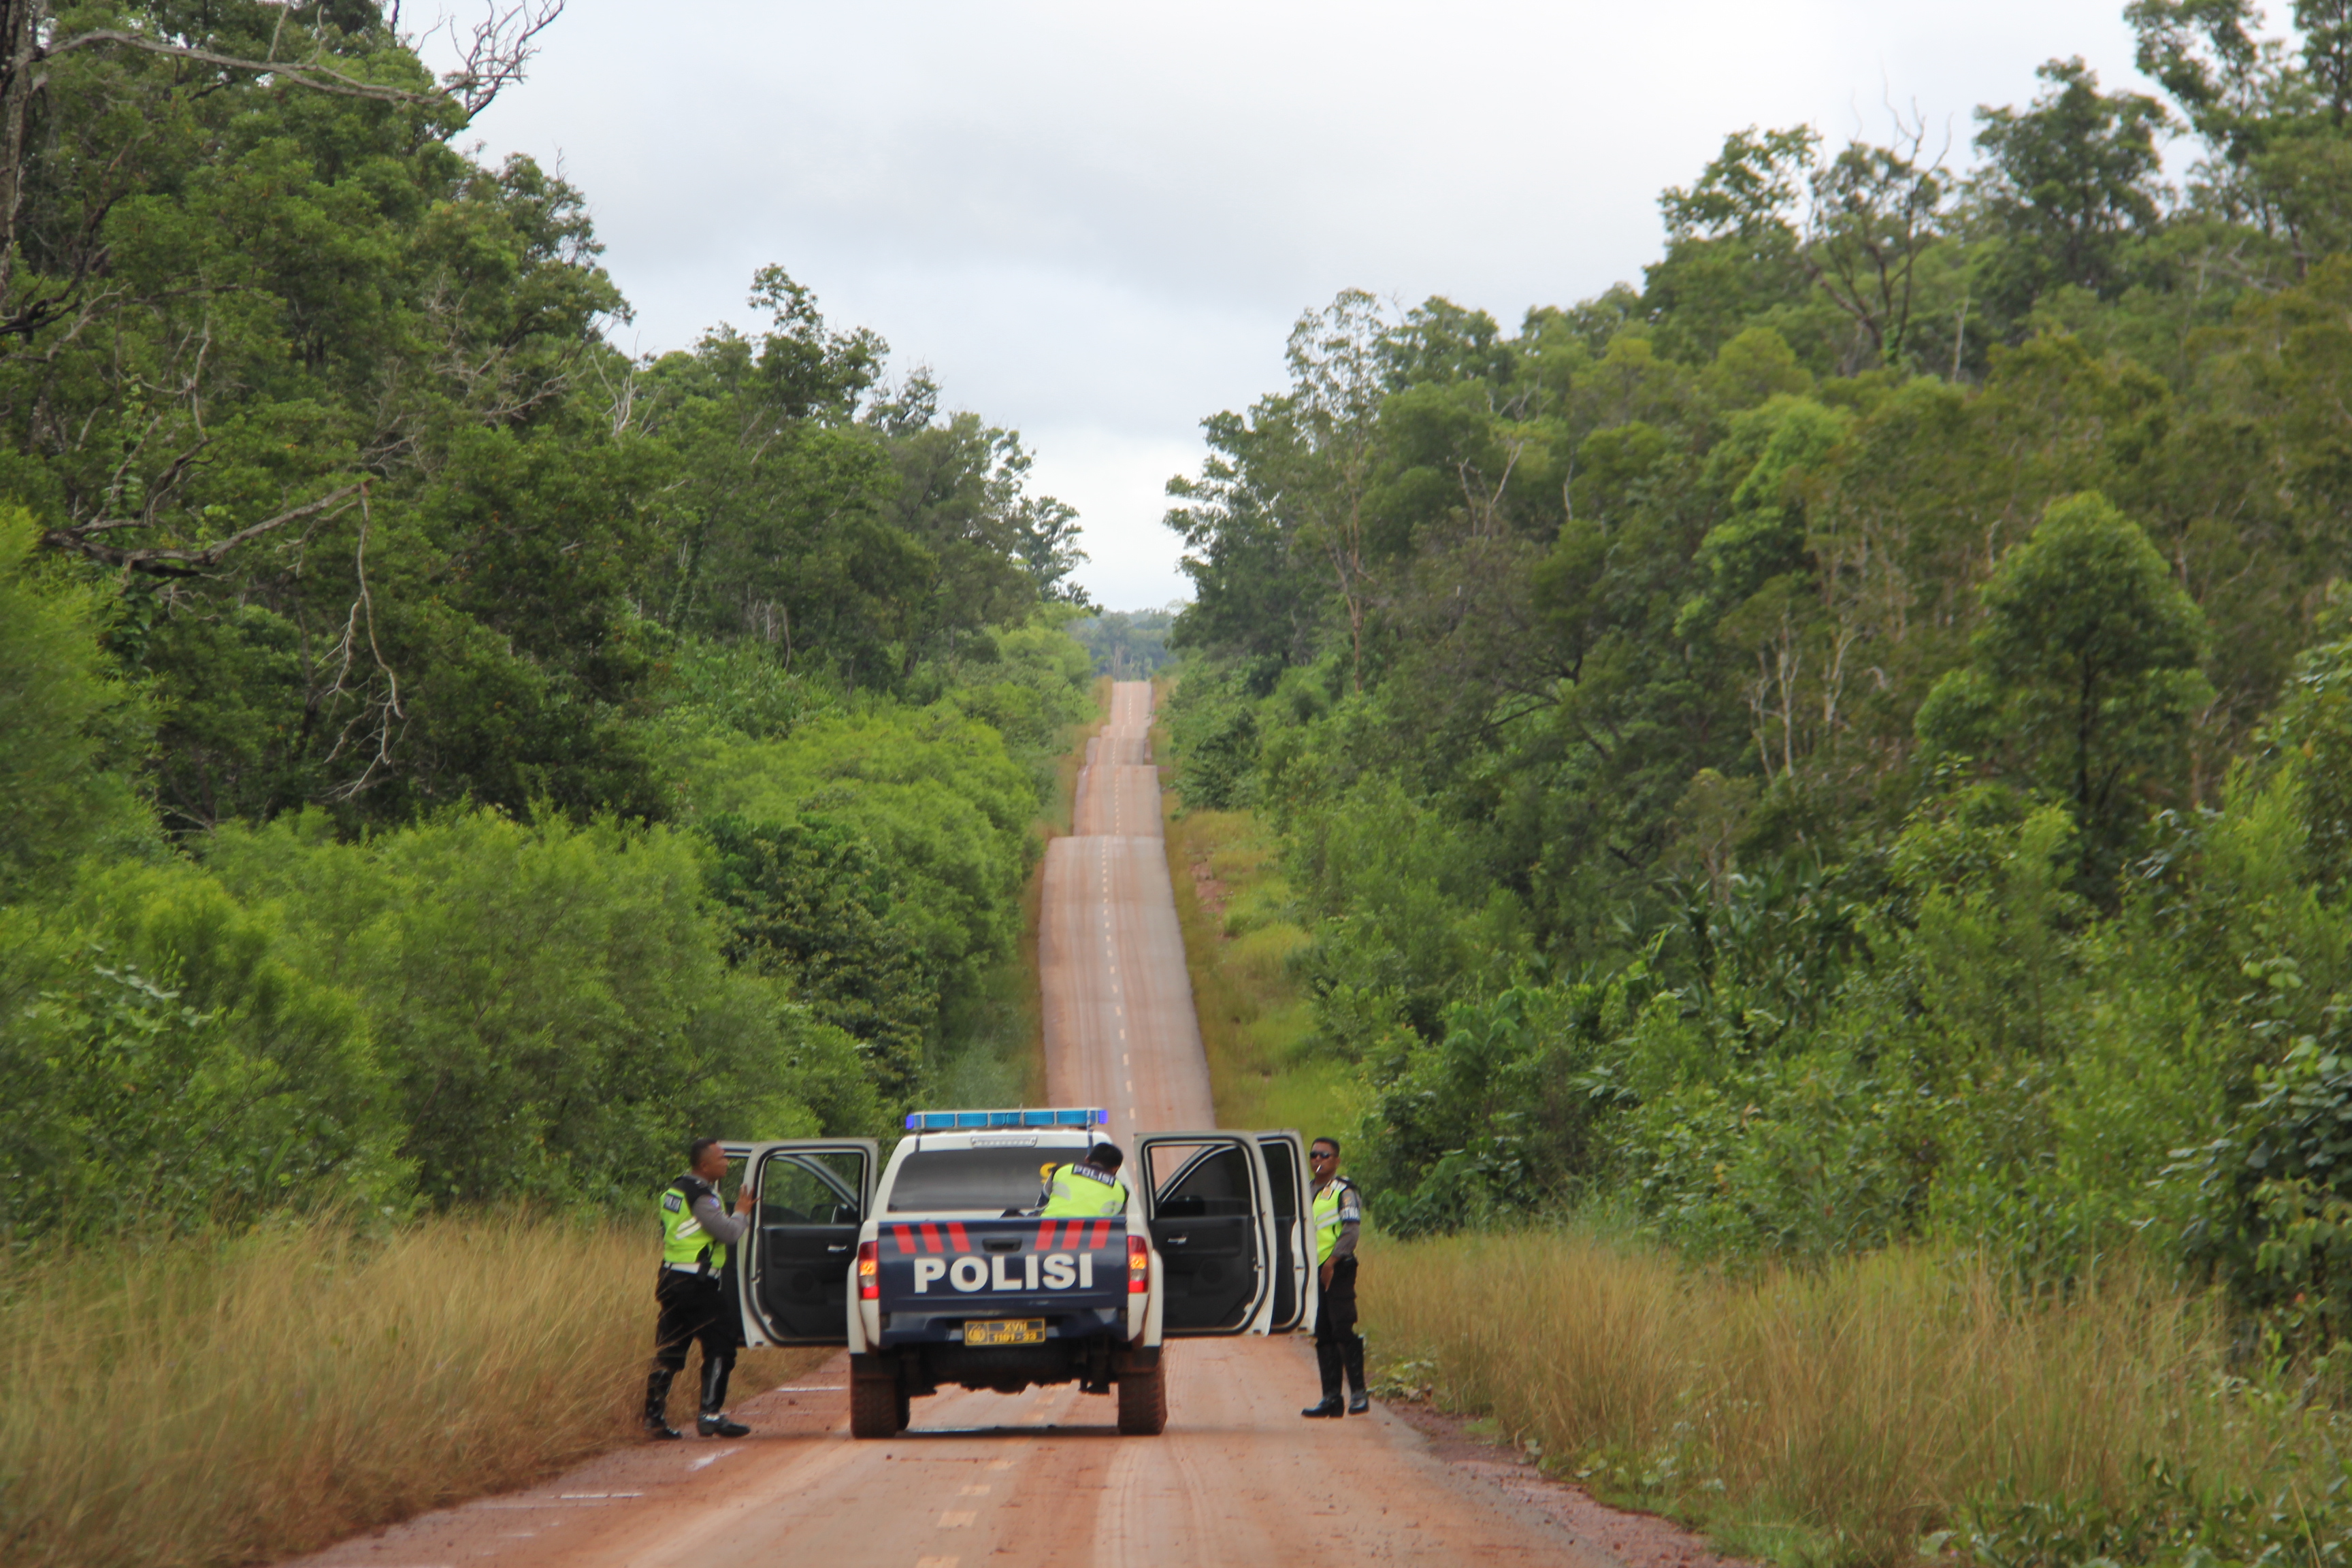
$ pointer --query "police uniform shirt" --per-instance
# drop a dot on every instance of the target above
(1351, 1217)
(706, 1216)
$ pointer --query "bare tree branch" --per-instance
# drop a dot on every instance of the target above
(500, 51)
(386, 709)
(81, 538)
(318, 78)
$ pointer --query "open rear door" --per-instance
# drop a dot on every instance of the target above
(1296, 1295)
(1210, 1206)
(814, 1195)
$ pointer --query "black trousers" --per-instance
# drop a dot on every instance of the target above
(1335, 1321)
(694, 1311)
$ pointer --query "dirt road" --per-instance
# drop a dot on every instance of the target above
(1041, 1477)
(1120, 1027)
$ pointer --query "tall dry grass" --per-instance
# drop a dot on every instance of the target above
(220, 1402)
(1863, 1403)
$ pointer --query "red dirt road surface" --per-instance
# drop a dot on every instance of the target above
(1042, 1478)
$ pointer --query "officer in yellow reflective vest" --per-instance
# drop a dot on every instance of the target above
(695, 1307)
(1089, 1189)
(1338, 1213)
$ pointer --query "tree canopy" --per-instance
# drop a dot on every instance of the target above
(1835, 743)
(449, 757)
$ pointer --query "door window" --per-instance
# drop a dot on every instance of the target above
(811, 1189)
(810, 1206)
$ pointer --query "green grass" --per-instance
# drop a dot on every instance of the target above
(1255, 1022)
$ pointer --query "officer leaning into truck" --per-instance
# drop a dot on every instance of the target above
(1338, 1220)
(1089, 1189)
(696, 1305)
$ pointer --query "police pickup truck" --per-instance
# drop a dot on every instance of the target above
(929, 1280)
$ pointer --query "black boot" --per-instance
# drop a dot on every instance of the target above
(1327, 1361)
(713, 1422)
(1359, 1400)
(658, 1403)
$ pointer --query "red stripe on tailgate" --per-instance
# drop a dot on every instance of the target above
(931, 1238)
(906, 1237)
(1102, 1232)
(1044, 1242)
(956, 1235)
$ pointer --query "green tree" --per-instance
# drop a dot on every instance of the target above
(2067, 183)
(813, 904)
(170, 1066)
(2083, 674)
(1734, 242)
(74, 728)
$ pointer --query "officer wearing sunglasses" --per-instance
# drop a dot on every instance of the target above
(1338, 1212)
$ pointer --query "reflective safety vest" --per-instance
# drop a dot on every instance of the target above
(1336, 1202)
(684, 1241)
(1083, 1191)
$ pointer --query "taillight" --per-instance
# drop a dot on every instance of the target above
(1138, 1266)
(870, 1271)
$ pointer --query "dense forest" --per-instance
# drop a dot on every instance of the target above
(448, 759)
(1127, 645)
(1847, 740)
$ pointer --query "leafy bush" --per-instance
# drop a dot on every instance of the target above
(550, 1001)
(813, 905)
(72, 722)
(169, 1065)
(933, 793)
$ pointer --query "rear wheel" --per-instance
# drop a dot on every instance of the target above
(876, 1408)
(906, 1411)
(1143, 1401)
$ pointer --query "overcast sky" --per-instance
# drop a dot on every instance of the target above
(1095, 222)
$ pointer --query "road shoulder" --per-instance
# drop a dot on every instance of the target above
(1635, 1540)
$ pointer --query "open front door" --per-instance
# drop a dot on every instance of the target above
(814, 1195)
(1210, 1206)
(1296, 1295)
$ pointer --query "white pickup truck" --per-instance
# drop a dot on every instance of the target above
(928, 1281)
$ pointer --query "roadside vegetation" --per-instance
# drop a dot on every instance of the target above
(1239, 940)
(1242, 933)
(1879, 1407)
(1828, 764)
(1127, 645)
(450, 762)
(235, 1398)
(445, 763)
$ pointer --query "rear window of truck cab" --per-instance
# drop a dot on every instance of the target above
(931, 1181)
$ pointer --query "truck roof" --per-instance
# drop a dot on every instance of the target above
(1080, 1139)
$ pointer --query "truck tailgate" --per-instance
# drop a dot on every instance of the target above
(1001, 1267)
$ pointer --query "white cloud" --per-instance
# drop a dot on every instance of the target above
(1115, 480)
(1096, 222)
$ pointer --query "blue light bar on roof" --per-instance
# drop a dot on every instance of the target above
(973, 1120)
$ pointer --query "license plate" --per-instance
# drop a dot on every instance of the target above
(1005, 1332)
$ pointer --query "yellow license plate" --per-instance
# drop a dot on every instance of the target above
(1005, 1332)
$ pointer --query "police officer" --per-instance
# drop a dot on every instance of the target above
(695, 1306)
(1338, 1212)
(1089, 1189)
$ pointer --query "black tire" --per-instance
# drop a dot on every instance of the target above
(1143, 1401)
(876, 1408)
(906, 1411)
